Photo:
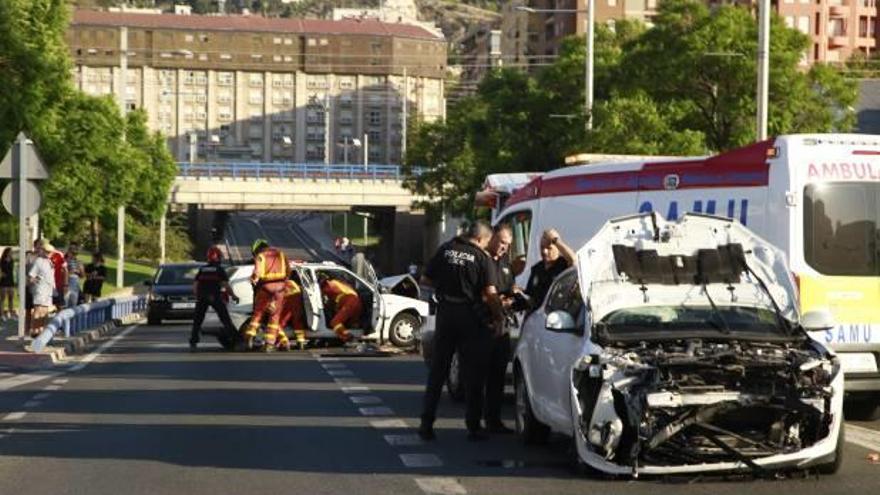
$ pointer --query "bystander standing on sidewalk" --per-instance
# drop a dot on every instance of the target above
(41, 277)
(7, 285)
(60, 268)
(96, 272)
(75, 276)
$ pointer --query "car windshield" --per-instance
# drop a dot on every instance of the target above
(176, 275)
(678, 321)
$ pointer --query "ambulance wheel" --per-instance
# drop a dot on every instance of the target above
(403, 330)
(863, 408)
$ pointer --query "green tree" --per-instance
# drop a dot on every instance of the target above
(155, 172)
(34, 67)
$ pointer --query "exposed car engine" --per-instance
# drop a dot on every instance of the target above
(695, 402)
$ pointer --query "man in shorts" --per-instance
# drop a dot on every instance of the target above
(42, 279)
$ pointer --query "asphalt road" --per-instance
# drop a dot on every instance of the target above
(279, 228)
(143, 415)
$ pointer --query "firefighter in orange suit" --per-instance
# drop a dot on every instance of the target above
(346, 303)
(292, 313)
(270, 273)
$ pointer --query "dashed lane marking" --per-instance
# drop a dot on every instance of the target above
(52, 388)
(60, 381)
(14, 416)
(41, 396)
(376, 411)
(420, 460)
(340, 373)
(863, 437)
(365, 399)
(333, 366)
(348, 381)
(404, 440)
(388, 423)
(32, 404)
(356, 390)
(441, 486)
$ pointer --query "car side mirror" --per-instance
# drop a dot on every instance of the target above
(818, 320)
(560, 321)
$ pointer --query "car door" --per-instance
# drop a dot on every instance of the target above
(555, 351)
(378, 310)
(312, 299)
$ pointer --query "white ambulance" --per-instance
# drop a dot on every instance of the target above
(817, 197)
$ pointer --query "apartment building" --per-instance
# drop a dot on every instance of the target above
(248, 88)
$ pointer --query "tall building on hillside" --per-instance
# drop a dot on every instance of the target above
(837, 28)
(248, 88)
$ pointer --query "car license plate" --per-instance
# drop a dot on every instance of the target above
(857, 362)
(183, 305)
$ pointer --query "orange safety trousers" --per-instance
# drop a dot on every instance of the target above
(268, 302)
(348, 314)
(292, 311)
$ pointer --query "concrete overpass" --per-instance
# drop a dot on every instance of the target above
(208, 191)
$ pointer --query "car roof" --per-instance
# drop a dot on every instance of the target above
(189, 264)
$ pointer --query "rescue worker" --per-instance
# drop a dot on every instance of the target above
(346, 303)
(499, 355)
(292, 313)
(460, 272)
(210, 285)
(270, 273)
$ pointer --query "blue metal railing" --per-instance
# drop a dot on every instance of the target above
(292, 171)
(71, 321)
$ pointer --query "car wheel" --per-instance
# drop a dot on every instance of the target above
(863, 408)
(455, 379)
(154, 320)
(403, 330)
(834, 466)
(529, 429)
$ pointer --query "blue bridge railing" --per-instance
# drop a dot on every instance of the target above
(292, 171)
(71, 321)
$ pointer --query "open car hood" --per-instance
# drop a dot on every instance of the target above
(644, 260)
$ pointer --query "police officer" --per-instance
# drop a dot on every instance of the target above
(499, 355)
(209, 284)
(460, 272)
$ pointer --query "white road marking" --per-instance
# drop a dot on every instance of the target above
(88, 358)
(388, 423)
(403, 440)
(32, 404)
(420, 460)
(52, 388)
(323, 359)
(441, 486)
(365, 399)
(60, 381)
(348, 381)
(355, 390)
(14, 416)
(863, 437)
(41, 396)
(340, 373)
(26, 378)
(376, 411)
(333, 366)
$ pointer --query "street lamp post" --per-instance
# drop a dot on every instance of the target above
(588, 62)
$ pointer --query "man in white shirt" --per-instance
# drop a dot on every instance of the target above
(41, 277)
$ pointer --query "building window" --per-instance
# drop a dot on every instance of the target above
(612, 3)
(311, 42)
(188, 38)
(225, 56)
(374, 117)
(288, 41)
(789, 21)
(224, 78)
(276, 58)
(375, 136)
(203, 57)
(276, 41)
(256, 80)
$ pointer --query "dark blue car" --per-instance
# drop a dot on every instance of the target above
(171, 292)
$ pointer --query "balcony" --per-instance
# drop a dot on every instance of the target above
(837, 41)
(838, 10)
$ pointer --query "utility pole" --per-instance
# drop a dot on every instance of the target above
(405, 109)
(345, 149)
(588, 76)
(120, 213)
(327, 129)
(763, 66)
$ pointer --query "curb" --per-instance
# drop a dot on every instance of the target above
(56, 355)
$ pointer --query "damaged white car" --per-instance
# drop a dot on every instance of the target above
(677, 347)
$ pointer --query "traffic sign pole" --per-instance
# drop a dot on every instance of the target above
(22, 232)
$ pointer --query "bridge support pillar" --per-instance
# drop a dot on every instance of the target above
(408, 239)
(202, 224)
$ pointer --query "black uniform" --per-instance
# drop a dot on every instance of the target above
(210, 279)
(459, 271)
(502, 279)
(541, 277)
